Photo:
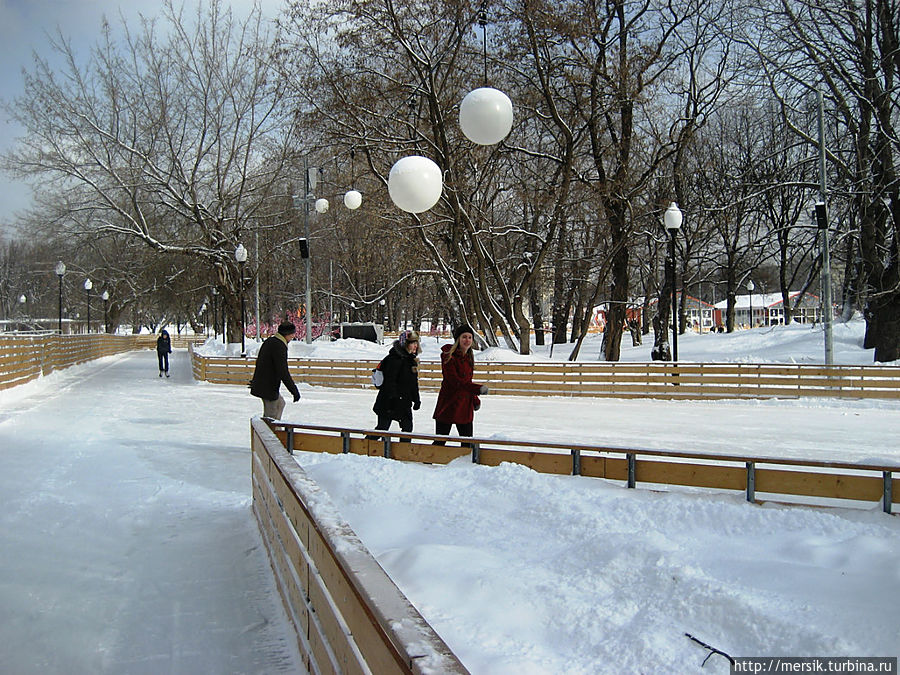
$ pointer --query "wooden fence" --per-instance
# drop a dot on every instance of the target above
(348, 615)
(619, 380)
(24, 357)
(779, 478)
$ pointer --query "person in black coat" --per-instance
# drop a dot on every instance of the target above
(272, 369)
(163, 349)
(399, 393)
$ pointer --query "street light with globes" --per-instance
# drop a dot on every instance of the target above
(88, 285)
(60, 271)
(352, 201)
(672, 219)
(105, 297)
(240, 255)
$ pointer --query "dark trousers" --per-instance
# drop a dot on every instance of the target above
(443, 429)
(384, 423)
(406, 423)
(163, 361)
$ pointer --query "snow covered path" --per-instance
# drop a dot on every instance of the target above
(128, 541)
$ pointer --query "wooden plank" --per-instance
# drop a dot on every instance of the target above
(380, 655)
(318, 443)
(293, 592)
(694, 475)
(426, 453)
(544, 462)
(612, 468)
(815, 484)
(365, 446)
(334, 630)
(319, 652)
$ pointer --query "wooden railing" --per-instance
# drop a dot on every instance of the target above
(780, 478)
(619, 380)
(348, 615)
(25, 357)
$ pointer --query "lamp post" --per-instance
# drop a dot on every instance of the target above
(672, 219)
(88, 285)
(60, 270)
(240, 254)
(309, 186)
(105, 297)
(215, 294)
(750, 287)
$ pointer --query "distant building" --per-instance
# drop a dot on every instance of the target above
(768, 309)
(699, 314)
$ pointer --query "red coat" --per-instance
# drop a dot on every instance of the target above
(458, 395)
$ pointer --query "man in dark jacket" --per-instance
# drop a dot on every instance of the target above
(272, 369)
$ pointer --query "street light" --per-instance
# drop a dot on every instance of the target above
(215, 294)
(88, 285)
(672, 219)
(750, 287)
(60, 270)
(105, 297)
(321, 206)
(240, 254)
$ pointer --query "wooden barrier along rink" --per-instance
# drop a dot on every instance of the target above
(698, 381)
(26, 357)
(780, 479)
(348, 615)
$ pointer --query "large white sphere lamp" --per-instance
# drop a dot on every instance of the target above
(415, 184)
(352, 199)
(321, 205)
(486, 116)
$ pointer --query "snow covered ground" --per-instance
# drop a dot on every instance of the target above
(128, 545)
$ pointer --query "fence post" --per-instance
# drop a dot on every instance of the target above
(345, 442)
(632, 469)
(751, 481)
(888, 490)
(387, 447)
(576, 462)
(290, 440)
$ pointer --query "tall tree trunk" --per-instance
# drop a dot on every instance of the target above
(618, 299)
(537, 316)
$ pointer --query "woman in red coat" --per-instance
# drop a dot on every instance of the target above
(458, 398)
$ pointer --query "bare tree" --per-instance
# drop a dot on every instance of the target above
(848, 50)
(175, 137)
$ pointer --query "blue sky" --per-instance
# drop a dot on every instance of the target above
(24, 27)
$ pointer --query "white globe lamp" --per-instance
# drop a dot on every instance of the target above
(321, 205)
(415, 184)
(486, 116)
(352, 199)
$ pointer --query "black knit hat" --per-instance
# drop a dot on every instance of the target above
(287, 328)
(464, 328)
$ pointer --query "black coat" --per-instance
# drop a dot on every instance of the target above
(271, 370)
(163, 344)
(401, 384)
